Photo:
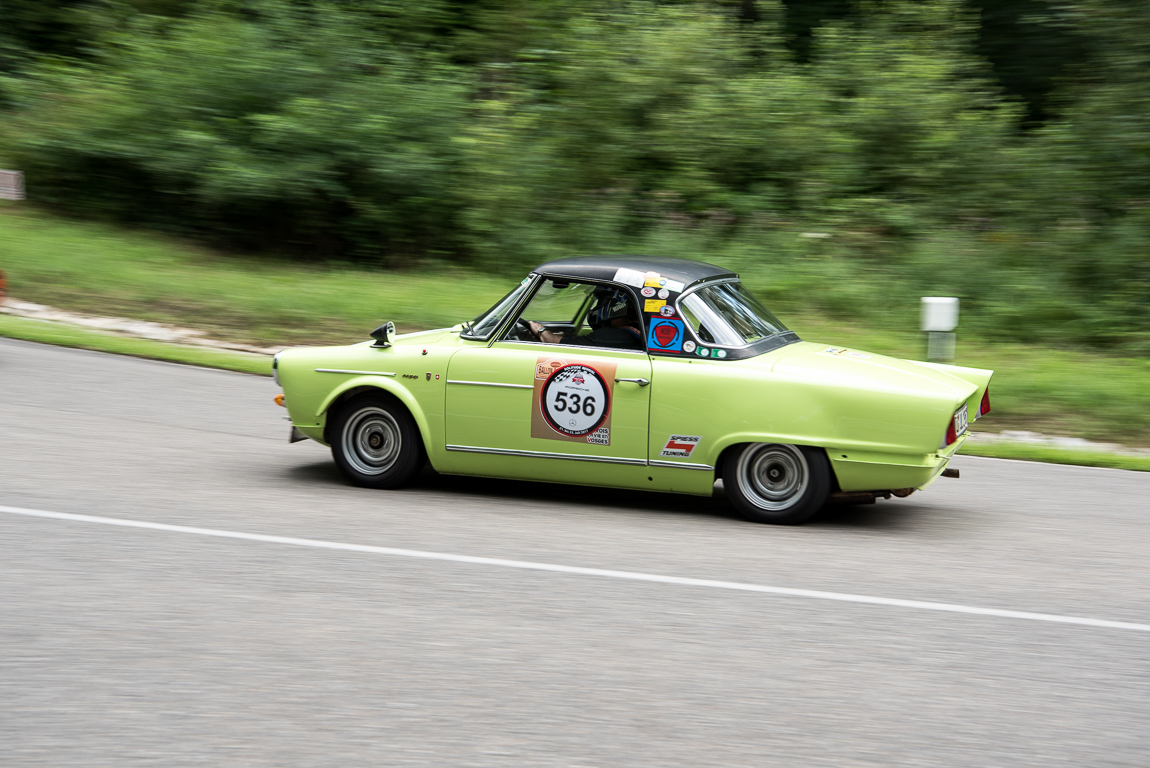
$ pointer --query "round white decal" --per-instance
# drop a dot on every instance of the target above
(648, 292)
(688, 346)
(664, 293)
(574, 400)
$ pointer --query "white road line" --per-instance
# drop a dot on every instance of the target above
(571, 569)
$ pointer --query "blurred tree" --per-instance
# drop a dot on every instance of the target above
(803, 17)
(55, 27)
(1090, 170)
(1030, 51)
(69, 27)
(920, 108)
(291, 132)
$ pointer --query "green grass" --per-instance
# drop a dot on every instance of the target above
(68, 336)
(1050, 455)
(106, 270)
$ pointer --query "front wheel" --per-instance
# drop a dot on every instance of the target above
(376, 443)
(776, 483)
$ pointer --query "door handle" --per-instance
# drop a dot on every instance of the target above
(640, 382)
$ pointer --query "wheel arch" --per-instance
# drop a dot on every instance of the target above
(730, 448)
(358, 386)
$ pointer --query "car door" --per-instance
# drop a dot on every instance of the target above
(566, 412)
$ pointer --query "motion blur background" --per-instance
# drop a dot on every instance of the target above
(847, 157)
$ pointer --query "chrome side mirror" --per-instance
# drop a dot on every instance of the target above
(383, 335)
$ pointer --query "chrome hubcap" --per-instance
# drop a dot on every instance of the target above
(773, 477)
(371, 440)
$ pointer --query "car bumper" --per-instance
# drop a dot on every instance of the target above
(879, 471)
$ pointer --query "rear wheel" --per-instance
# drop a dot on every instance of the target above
(375, 442)
(777, 483)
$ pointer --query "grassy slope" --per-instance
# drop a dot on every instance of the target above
(96, 268)
(105, 270)
(68, 336)
(1053, 455)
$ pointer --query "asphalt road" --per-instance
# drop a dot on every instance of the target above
(129, 647)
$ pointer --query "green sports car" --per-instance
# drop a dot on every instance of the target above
(634, 372)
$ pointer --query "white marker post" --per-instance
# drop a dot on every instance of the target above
(939, 319)
(11, 185)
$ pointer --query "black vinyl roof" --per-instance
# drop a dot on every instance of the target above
(685, 271)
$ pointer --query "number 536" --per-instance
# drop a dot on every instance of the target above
(575, 404)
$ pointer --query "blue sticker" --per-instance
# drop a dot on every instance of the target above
(665, 335)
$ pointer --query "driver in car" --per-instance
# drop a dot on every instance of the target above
(614, 323)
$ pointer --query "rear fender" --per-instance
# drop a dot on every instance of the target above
(978, 377)
(723, 447)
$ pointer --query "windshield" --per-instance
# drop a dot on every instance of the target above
(727, 315)
(484, 325)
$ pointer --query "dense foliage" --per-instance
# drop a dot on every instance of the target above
(845, 156)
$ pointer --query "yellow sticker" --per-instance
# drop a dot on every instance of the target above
(654, 279)
(653, 305)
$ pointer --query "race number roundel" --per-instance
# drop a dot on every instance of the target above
(574, 400)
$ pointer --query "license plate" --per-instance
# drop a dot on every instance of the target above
(960, 421)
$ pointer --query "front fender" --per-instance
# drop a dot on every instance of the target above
(386, 384)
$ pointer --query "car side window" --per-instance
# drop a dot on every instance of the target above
(558, 302)
(566, 311)
(692, 320)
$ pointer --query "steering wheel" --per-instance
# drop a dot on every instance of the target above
(524, 326)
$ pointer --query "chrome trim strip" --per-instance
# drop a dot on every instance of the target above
(490, 384)
(547, 455)
(355, 373)
(680, 465)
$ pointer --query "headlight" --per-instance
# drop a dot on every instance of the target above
(276, 369)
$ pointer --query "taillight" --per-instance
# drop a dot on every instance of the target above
(984, 408)
(951, 434)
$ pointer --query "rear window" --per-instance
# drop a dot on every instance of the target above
(727, 315)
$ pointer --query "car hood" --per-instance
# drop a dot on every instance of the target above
(844, 366)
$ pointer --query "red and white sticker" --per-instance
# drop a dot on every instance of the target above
(574, 401)
(680, 446)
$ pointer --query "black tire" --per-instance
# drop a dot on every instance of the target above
(776, 483)
(375, 442)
